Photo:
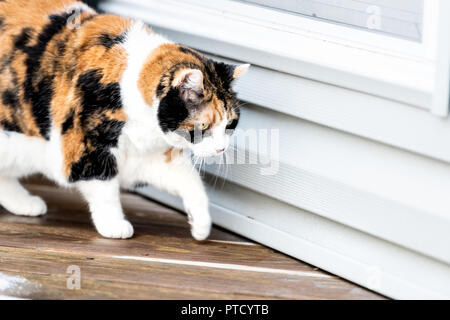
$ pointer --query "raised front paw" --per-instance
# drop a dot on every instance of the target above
(115, 229)
(201, 231)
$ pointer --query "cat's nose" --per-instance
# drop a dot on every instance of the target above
(220, 150)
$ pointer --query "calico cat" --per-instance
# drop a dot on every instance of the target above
(100, 102)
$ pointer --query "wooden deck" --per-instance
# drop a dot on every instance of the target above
(160, 262)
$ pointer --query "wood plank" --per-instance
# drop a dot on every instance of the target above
(48, 270)
(161, 261)
(101, 279)
(153, 223)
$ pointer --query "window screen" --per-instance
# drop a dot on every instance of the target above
(399, 18)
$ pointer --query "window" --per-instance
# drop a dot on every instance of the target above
(400, 18)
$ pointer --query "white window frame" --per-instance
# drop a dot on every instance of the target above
(348, 35)
(406, 71)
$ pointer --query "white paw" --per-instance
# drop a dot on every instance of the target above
(116, 229)
(200, 227)
(31, 206)
(200, 231)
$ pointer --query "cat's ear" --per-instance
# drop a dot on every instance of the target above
(240, 70)
(190, 79)
(190, 84)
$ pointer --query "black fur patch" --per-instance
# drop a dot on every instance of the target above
(96, 96)
(10, 98)
(21, 40)
(232, 125)
(101, 133)
(96, 165)
(172, 111)
(108, 40)
(8, 126)
(40, 94)
(68, 123)
(160, 90)
(225, 72)
(41, 105)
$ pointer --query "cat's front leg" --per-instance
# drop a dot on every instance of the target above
(196, 204)
(103, 198)
(185, 181)
(177, 175)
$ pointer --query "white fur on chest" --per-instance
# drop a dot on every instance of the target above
(141, 139)
(142, 127)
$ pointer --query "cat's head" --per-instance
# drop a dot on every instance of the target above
(198, 108)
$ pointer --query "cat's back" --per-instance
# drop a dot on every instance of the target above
(18, 14)
(25, 21)
(29, 34)
(61, 65)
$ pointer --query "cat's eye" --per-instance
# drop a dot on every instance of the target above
(203, 126)
(230, 122)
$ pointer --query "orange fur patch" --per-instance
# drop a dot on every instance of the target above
(172, 153)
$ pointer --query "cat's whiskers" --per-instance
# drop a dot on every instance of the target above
(217, 174)
(203, 166)
(238, 106)
(194, 163)
(224, 179)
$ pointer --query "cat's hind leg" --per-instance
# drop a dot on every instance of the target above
(20, 156)
(16, 199)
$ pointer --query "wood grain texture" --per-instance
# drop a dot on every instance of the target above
(160, 262)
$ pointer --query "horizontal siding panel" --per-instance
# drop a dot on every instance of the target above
(359, 183)
(364, 115)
